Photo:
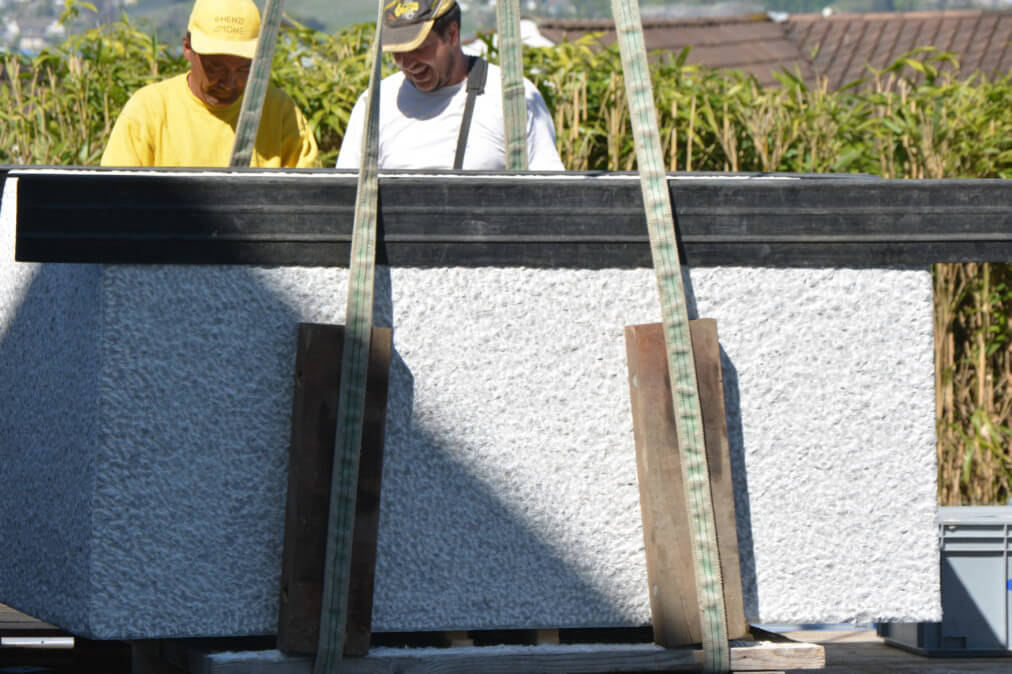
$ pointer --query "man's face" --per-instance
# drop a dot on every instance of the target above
(216, 79)
(431, 65)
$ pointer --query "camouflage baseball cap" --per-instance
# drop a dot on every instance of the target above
(406, 23)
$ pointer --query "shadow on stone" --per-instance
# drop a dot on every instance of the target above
(736, 447)
(146, 434)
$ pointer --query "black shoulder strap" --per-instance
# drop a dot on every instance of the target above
(476, 77)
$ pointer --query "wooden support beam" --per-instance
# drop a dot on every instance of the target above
(314, 416)
(667, 538)
(603, 659)
(148, 657)
(16, 624)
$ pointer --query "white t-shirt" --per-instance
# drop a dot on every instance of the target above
(419, 129)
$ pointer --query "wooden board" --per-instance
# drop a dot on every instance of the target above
(314, 417)
(763, 657)
(673, 603)
(575, 221)
(16, 624)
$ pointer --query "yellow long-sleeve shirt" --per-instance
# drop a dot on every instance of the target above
(164, 124)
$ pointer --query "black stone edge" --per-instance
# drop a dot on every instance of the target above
(969, 220)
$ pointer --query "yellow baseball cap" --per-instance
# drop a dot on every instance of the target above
(224, 27)
(406, 23)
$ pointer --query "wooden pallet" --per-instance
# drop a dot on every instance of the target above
(42, 647)
(16, 624)
(194, 657)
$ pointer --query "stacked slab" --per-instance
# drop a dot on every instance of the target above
(146, 422)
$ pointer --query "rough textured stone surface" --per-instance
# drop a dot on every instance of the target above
(146, 423)
(49, 429)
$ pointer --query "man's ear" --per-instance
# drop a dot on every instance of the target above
(453, 34)
(188, 52)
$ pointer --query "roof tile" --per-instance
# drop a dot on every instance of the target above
(839, 47)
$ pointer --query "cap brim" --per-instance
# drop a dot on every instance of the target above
(203, 44)
(405, 38)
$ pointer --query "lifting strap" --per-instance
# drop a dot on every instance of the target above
(675, 318)
(358, 319)
(359, 312)
(514, 103)
(476, 76)
(256, 87)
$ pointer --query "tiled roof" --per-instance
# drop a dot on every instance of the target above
(749, 42)
(844, 45)
(839, 47)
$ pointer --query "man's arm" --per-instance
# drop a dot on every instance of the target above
(300, 146)
(129, 143)
(542, 154)
(351, 146)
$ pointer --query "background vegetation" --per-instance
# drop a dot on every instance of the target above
(915, 119)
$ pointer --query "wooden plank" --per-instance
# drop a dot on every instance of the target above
(317, 376)
(16, 624)
(710, 382)
(766, 657)
(666, 532)
(367, 500)
(147, 658)
(590, 221)
(510, 660)
(512, 637)
(550, 637)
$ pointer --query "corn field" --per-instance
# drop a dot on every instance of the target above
(914, 119)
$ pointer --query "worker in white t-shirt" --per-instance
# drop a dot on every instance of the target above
(423, 122)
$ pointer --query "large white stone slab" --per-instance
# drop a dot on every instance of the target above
(146, 420)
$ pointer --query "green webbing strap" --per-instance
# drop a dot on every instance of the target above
(351, 396)
(674, 315)
(514, 103)
(256, 87)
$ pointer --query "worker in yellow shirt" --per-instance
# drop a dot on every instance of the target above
(190, 120)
